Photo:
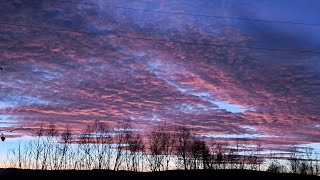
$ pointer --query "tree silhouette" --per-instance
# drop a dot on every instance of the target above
(184, 140)
(102, 147)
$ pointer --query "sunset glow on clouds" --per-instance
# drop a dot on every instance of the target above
(72, 78)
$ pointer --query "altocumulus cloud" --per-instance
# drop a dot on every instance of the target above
(75, 78)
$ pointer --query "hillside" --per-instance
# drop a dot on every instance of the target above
(32, 174)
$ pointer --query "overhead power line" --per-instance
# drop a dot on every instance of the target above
(192, 14)
(161, 40)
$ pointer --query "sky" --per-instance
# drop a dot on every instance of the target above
(156, 61)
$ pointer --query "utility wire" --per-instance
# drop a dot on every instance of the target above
(192, 14)
(161, 40)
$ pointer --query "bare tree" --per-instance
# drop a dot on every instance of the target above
(307, 165)
(242, 156)
(294, 160)
(48, 143)
(184, 139)
(275, 166)
(65, 150)
(156, 149)
(121, 137)
(101, 140)
(258, 151)
(199, 154)
(37, 147)
(253, 160)
(167, 143)
(232, 158)
(316, 164)
(99, 146)
(136, 148)
(86, 149)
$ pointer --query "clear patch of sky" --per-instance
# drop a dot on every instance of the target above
(4, 105)
(167, 73)
(224, 105)
(234, 108)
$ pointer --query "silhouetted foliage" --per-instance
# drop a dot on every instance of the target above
(164, 148)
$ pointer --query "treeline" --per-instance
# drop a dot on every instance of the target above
(164, 148)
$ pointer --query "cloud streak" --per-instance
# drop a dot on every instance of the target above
(73, 79)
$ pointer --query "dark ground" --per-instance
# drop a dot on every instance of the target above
(100, 174)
